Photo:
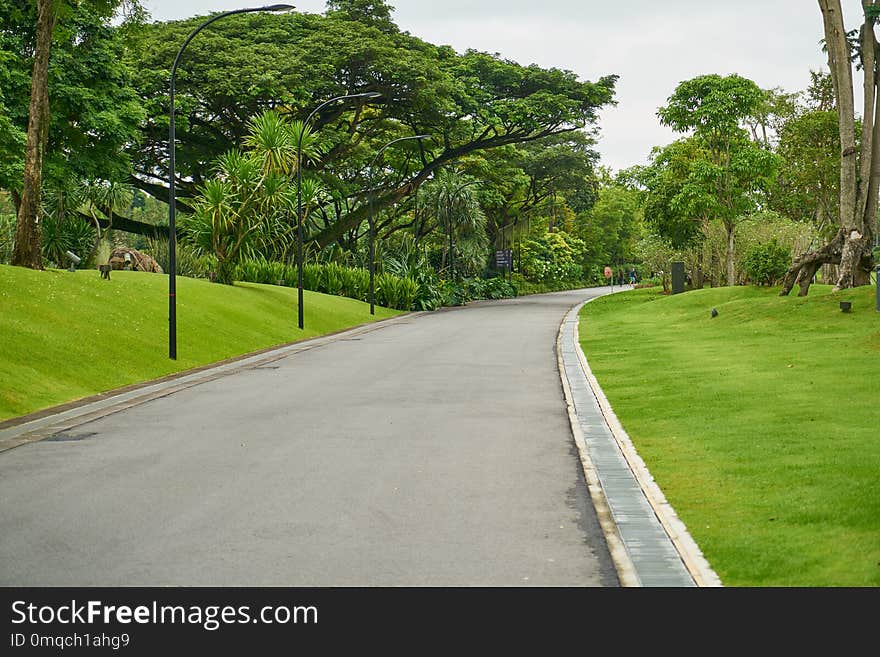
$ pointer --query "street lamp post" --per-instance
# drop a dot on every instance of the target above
(299, 213)
(370, 222)
(172, 199)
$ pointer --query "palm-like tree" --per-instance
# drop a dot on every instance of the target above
(451, 200)
(245, 209)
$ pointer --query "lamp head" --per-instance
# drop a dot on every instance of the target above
(277, 8)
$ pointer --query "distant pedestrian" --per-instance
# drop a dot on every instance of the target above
(632, 276)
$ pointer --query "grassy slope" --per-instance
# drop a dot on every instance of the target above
(70, 335)
(761, 425)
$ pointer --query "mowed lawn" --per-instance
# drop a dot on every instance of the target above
(67, 335)
(761, 425)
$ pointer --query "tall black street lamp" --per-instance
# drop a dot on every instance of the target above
(370, 222)
(172, 209)
(299, 213)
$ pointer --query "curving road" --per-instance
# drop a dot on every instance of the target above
(433, 450)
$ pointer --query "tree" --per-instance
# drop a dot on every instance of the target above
(611, 229)
(246, 208)
(95, 113)
(808, 188)
(734, 168)
(28, 243)
(554, 176)
(469, 102)
(859, 171)
(673, 207)
(451, 201)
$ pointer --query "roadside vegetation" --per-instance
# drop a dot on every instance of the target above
(758, 426)
(490, 185)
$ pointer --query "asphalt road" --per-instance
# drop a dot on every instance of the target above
(433, 451)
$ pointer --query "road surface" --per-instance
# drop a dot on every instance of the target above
(434, 450)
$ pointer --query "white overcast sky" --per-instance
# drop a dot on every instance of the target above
(651, 45)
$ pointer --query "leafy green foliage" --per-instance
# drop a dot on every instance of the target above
(395, 292)
(462, 291)
(767, 263)
(672, 203)
(712, 107)
(245, 209)
(809, 177)
(94, 111)
(552, 258)
(400, 292)
(61, 235)
(451, 201)
(612, 227)
(469, 102)
(7, 237)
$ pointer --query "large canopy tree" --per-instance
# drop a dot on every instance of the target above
(859, 162)
(469, 102)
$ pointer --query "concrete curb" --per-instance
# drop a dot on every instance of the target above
(687, 548)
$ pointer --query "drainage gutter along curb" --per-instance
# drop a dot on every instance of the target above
(626, 571)
(688, 550)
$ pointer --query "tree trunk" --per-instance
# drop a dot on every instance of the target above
(858, 225)
(27, 251)
(16, 200)
(699, 281)
(829, 273)
(731, 248)
(859, 171)
(805, 266)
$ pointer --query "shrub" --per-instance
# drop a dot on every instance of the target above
(333, 278)
(498, 288)
(61, 235)
(396, 292)
(312, 278)
(552, 258)
(766, 264)
(260, 270)
(356, 283)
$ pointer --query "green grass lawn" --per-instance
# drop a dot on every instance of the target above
(68, 335)
(761, 426)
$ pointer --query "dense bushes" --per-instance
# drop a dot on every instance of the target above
(332, 278)
(552, 258)
(471, 289)
(396, 292)
(766, 264)
(420, 290)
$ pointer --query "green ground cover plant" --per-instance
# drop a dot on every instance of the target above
(760, 425)
(67, 335)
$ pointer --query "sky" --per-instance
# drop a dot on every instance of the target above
(651, 45)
